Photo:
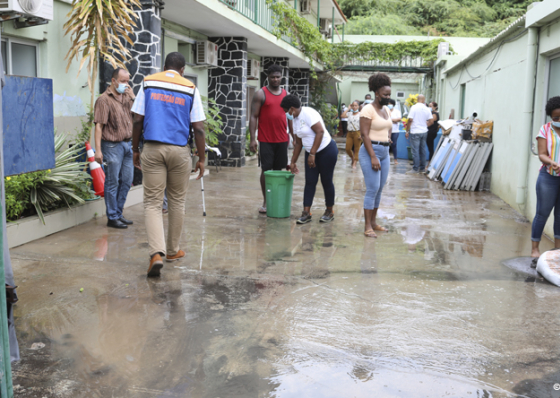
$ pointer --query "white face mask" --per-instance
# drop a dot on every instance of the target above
(121, 88)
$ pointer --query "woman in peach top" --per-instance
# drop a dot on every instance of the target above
(375, 127)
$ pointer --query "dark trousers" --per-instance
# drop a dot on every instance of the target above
(548, 197)
(325, 161)
(344, 124)
(430, 141)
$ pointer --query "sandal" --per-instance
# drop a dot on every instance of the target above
(262, 210)
(380, 228)
(534, 262)
(370, 234)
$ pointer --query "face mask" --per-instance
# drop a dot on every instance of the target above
(556, 124)
(390, 106)
(368, 101)
(121, 88)
(290, 117)
(355, 111)
(384, 101)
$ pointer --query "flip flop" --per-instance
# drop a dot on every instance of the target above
(534, 262)
(370, 234)
(380, 228)
(262, 210)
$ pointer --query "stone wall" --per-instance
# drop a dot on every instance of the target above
(299, 84)
(227, 85)
(284, 62)
(145, 54)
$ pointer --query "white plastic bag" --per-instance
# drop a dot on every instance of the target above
(549, 266)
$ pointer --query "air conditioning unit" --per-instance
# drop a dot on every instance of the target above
(305, 6)
(253, 69)
(28, 12)
(442, 49)
(206, 53)
(324, 25)
(400, 94)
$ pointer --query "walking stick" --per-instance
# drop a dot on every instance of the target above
(203, 204)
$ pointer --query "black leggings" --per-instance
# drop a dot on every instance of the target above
(325, 161)
(430, 141)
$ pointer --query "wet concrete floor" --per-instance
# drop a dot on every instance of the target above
(265, 308)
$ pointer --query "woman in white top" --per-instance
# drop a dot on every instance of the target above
(353, 138)
(321, 154)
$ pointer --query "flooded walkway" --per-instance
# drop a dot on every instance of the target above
(264, 308)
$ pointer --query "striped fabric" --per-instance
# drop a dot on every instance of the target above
(114, 115)
(552, 145)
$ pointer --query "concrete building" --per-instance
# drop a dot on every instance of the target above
(227, 43)
(509, 81)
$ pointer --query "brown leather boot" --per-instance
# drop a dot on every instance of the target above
(156, 264)
(180, 254)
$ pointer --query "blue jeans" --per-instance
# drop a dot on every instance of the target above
(325, 160)
(394, 138)
(375, 180)
(119, 172)
(418, 147)
(548, 196)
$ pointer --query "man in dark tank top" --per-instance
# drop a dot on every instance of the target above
(269, 119)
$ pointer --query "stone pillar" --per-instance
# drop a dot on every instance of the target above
(284, 62)
(299, 84)
(145, 54)
(227, 85)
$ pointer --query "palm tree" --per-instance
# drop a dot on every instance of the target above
(95, 28)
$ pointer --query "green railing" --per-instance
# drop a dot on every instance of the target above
(257, 11)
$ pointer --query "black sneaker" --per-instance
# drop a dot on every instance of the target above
(327, 217)
(305, 218)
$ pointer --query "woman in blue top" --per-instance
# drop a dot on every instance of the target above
(321, 154)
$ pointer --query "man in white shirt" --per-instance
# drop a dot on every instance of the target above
(419, 118)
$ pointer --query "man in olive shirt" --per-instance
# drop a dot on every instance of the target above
(113, 136)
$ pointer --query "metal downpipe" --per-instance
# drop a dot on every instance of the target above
(528, 105)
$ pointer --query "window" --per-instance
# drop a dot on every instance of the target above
(192, 78)
(20, 57)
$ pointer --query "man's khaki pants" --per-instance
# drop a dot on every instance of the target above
(165, 166)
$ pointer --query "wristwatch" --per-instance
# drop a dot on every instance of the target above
(135, 149)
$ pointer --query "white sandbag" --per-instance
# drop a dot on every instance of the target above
(549, 266)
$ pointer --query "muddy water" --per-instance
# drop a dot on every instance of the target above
(264, 308)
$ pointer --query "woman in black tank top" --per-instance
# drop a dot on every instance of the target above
(433, 129)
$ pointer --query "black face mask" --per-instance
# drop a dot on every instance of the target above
(384, 101)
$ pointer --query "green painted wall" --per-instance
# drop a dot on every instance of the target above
(171, 45)
(497, 94)
(71, 99)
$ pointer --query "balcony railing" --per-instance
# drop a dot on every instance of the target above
(256, 10)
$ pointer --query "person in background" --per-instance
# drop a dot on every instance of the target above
(166, 157)
(548, 182)
(417, 128)
(396, 117)
(376, 127)
(321, 154)
(267, 117)
(113, 133)
(344, 120)
(353, 139)
(433, 128)
(367, 100)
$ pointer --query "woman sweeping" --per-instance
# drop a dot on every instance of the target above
(321, 155)
(376, 127)
(353, 137)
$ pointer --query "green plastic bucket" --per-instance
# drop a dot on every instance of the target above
(279, 186)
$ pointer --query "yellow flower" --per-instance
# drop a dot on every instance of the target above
(49, 170)
(8, 178)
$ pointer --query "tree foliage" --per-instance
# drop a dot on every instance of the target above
(95, 28)
(478, 18)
